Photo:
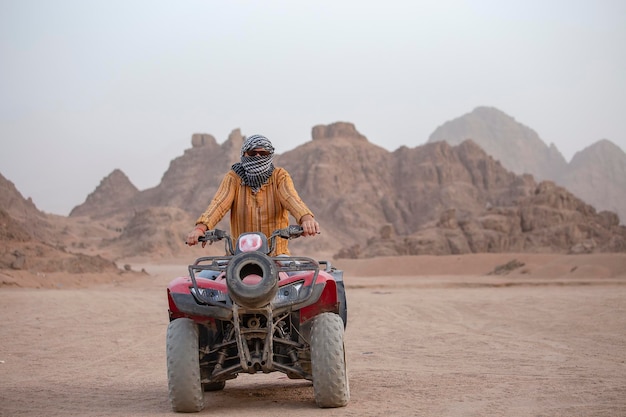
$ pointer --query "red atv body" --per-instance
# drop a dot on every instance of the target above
(250, 312)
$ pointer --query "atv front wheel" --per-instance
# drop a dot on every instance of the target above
(328, 361)
(183, 366)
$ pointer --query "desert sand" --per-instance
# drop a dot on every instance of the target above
(426, 336)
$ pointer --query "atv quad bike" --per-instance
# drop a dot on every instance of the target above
(250, 312)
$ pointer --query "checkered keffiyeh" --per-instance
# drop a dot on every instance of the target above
(255, 170)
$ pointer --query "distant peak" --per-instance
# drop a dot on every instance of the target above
(488, 109)
(606, 145)
(235, 135)
(112, 190)
(202, 139)
(336, 130)
(117, 178)
(603, 149)
(115, 175)
(234, 141)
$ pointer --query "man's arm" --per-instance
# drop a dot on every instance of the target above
(294, 204)
(220, 205)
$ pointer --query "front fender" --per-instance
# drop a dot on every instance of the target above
(327, 302)
(183, 304)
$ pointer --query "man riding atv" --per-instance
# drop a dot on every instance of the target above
(256, 308)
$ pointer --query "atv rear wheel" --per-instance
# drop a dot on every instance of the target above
(183, 366)
(328, 361)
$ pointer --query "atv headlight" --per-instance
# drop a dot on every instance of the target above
(291, 293)
(210, 294)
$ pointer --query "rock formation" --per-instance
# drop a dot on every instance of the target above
(157, 232)
(30, 240)
(336, 130)
(202, 139)
(434, 198)
(113, 189)
(22, 210)
(191, 179)
(550, 220)
(595, 174)
(516, 146)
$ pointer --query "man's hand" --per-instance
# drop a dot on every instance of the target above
(194, 235)
(310, 226)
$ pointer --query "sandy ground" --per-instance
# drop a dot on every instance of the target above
(427, 336)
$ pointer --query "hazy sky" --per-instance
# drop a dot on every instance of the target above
(90, 86)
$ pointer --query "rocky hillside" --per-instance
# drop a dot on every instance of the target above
(516, 146)
(23, 212)
(191, 179)
(436, 198)
(549, 220)
(189, 182)
(156, 233)
(595, 174)
(31, 240)
(104, 200)
(355, 187)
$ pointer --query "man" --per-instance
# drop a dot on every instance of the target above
(258, 195)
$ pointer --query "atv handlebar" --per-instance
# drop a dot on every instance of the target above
(289, 232)
(214, 235)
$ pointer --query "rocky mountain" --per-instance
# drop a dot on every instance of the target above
(22, 210)
(355, 187)
(104, 200)
(189, 182)
(516, 146)
(595, 174)
(191, 179)
(157, 232)
(30, 239)
(437, 198)
(549, 220)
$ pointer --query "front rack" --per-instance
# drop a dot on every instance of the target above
(288, 264)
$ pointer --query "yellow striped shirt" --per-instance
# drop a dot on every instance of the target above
(265, 211)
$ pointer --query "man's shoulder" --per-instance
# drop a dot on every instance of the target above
(279, 172)
(280, 175)
(232, 178)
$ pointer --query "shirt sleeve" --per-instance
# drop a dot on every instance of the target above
(289, 196)
(221, 203)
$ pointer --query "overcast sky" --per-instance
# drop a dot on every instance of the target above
(90, 86)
